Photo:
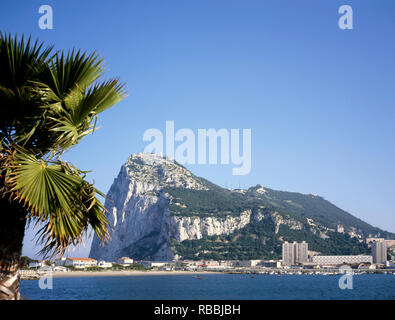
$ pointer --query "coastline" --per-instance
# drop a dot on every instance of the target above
(120, 273)
(73, 274)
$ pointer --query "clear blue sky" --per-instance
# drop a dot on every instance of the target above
(319, 100)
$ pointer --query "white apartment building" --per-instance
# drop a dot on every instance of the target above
(301, 250)
(80, 262)
(294, 253)
(379, 251)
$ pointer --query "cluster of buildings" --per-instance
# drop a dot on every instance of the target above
(79, 263)
(297, 254)
(293, 254)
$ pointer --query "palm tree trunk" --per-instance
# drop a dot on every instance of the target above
(12, 230)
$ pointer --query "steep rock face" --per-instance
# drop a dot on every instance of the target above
(141, 224)
(158, 210)
(279, 220)
(190, 228)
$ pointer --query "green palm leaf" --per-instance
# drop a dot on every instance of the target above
(43, 187)
(99, 98)
(58, 195)
(48, 104)
(65, 73)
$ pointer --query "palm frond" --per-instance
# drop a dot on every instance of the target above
(19, 60)
(57, 195)
(65, 72)
(48, 103)
(72, 126)
(103, 96)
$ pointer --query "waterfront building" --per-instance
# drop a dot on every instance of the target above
(207, 263)
(158, 264)
(301, 250)
(60, 269)
(37, 264)
(249, 263)
(226, 263)
(215, 267)
(379, 252)
(60, 262)
(288, 254)
(339, 260)
(294, 253)
(125, 261)
(80, 262)
(270, 264)
(104, 264)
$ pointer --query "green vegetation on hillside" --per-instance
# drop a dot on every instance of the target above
(216, 202)
(290, 211)
(220, 202)
(252, 242)
(316, 208)
(336, 244)
(259, 241)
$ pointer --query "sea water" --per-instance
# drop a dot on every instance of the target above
(212, 286)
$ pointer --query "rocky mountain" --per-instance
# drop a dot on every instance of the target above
(159, 210)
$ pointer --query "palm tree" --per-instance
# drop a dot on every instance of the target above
(48, 103)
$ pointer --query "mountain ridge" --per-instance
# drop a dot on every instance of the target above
(159, 210)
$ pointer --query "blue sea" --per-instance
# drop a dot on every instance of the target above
(212, 287)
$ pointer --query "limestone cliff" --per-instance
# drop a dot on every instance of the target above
(142, 225)
(159, 210)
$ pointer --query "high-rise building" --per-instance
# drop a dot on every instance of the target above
(288, 254)
(294, 253)
(379, 251)
(301, 252)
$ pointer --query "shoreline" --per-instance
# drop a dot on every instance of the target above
(76, 274)
(72, 274)
(120, 273)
